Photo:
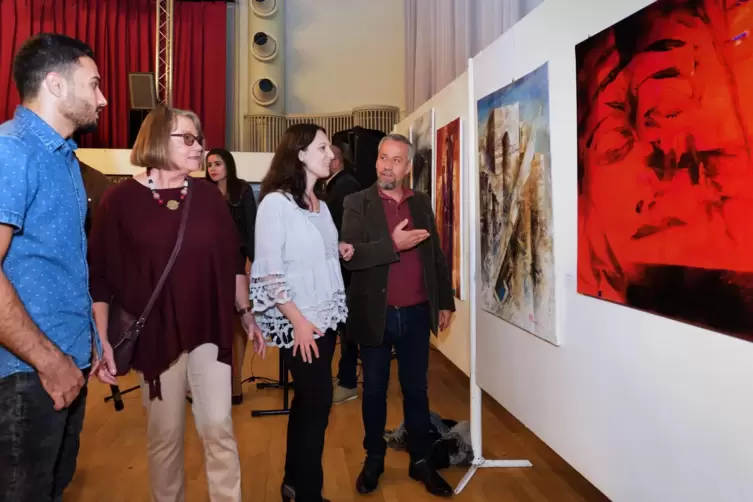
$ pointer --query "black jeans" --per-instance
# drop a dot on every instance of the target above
(308, 419)
(347, 368)
(38, 445)
(407, 329)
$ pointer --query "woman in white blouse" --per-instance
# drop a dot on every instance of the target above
(298, 295)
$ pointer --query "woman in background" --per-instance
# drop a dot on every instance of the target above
(298, 294)
(237, 193)
(186, 341)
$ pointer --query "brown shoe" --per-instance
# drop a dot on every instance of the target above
(342, 395)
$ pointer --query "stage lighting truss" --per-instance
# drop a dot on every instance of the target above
(164, 51)
(264, 8)
(264, 92)
(264, 47)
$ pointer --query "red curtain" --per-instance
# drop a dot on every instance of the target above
(199, 64)
(120, 32)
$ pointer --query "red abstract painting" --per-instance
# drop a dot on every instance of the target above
(447, 198)
(665, 173)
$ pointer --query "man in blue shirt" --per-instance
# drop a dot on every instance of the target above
(46, 327)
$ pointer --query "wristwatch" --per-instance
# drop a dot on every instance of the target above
(245, 311)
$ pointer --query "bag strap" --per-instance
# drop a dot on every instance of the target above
(181, 231)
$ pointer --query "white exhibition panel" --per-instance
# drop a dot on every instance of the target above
(449, 104)
(252, 166)
(648, 409)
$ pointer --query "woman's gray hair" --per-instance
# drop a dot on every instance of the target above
(400, 139)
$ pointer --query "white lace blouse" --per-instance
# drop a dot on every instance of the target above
(296, 259)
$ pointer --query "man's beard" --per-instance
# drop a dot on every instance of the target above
(82, 115)
(387, 185)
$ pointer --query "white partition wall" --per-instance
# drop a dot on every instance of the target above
(449, 104)
(252, 166)
(648, 409)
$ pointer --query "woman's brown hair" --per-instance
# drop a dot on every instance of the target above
(287, 173)
(151, 146)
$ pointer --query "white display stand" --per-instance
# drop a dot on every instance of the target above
(479, 462)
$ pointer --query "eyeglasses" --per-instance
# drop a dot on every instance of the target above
(189, 139)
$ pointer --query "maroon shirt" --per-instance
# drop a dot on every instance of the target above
(130, 244)
(405, 281)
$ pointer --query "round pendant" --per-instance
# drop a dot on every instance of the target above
(173, 204)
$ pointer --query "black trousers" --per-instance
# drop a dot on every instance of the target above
(407, 330)
(38, 445)
(347, 368)
(308, 419)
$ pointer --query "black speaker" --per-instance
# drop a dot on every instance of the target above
(363, 145)
(142, 90)
(135, 119)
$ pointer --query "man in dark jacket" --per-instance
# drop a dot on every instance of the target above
(400, 290)
(95, 186)
(340, 184)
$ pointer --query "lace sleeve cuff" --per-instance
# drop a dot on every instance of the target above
(269, 291)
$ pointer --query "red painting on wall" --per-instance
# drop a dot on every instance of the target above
(665, 170)
(447, 199)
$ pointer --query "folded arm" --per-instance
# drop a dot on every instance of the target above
(366, 254)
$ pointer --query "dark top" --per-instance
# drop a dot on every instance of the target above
(131, 241)
(340, 186)
(243, 212)
(365, 227)
(405, 282)
(95, 184)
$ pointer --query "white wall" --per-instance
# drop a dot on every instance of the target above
(252, 166)
(449, 104)
(646, 408)
(341, 54)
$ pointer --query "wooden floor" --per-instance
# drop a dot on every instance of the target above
(112, 462)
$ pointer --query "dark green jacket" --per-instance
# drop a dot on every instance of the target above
(365, 227)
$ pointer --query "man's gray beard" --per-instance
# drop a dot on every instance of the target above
(387, 185)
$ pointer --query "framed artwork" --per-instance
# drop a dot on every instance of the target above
(422, 137)
(447, 202)
(515, 190)
(665, 164)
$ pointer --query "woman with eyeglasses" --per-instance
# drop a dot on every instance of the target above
(187, 339)
(240, 199)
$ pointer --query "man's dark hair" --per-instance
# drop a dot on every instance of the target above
(42, 54)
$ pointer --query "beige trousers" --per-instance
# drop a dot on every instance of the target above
(209, 381)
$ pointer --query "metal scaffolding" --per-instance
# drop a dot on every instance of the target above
(164, 52)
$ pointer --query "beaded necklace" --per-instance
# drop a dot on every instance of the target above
(171, 204)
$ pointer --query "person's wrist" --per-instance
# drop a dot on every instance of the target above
(245, 310)
(46, 358)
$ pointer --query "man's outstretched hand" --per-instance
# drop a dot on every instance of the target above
(408, 239)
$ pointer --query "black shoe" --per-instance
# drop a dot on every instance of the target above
(368, 480)
(288, 493)
(423, 472)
